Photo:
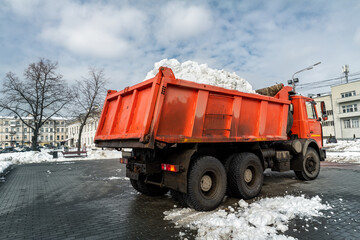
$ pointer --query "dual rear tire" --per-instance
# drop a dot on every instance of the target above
(208, 180)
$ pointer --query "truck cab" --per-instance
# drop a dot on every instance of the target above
(306, 121)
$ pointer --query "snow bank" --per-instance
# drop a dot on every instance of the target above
(263, 219)
(201, 73)
(343, 152)
(7, 159)
(4, 165)
(343, 146)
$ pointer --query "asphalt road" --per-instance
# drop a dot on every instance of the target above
(93, 200)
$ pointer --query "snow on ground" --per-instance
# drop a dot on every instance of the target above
(201, 73)
(343, 151)
(4, 165)
(7, 159)
(267, 218)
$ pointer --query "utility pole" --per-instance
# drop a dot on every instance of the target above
(346, 72)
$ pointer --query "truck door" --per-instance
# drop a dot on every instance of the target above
(314, 130)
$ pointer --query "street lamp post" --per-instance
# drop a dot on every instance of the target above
(296, 80)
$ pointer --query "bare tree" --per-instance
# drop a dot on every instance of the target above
(89, 96)
(41, 95)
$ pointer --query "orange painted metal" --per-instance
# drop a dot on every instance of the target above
(172, 110)
(305, 126)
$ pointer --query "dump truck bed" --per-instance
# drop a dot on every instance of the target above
(169, 110)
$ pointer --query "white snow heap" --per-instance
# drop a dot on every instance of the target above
(7, 159)
(263, 219)
(201, 73)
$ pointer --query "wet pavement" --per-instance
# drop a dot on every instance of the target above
(93, 200)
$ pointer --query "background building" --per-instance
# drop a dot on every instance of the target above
(343, 110)
(14, 133)
(87, 135)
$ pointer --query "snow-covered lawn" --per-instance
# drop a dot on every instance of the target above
(267, 218)
(7, 159)
(343, 152)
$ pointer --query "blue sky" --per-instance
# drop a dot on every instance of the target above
(264, 42)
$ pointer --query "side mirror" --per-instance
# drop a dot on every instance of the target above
(323, 111)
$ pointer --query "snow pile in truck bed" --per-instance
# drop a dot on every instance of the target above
(267, 218)
(201, 73)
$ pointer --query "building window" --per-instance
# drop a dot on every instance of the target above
(62, 137)
(348, 94)
(62, 129)
(58, 130)
(51, 137)
(58, 137)
(310, 110)
(351, 123)
(25, 129)
(6, 130)
(47, 130)
(51, 129)
(6, 122)
(347, 123)
(349, 108)
(6, 137)
(42, 130)
(328, 123)
(355, 123)
(42, 138)
(17, 129)
(25, 137)
(47, 137)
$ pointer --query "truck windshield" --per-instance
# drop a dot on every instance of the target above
(310, 110)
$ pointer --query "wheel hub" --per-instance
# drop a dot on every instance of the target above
(205, 183)
(248, 175)
(310, 165)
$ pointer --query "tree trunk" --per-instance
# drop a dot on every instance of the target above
(79, 140)
(270, 91)
(34, 140)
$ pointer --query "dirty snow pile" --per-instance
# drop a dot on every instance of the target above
(267, 218)
(7, 159)
(4, 165)
(343, 151)
(201, 73)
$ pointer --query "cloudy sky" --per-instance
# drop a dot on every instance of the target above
(264, 42)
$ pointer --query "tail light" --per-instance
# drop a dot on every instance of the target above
(170, 167)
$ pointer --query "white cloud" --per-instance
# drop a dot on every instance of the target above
(265, 42)
(180, 21)
(96, 30)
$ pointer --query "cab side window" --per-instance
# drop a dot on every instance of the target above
(310, 109)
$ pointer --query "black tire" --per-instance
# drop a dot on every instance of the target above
(206, 184)
(150, 189)
(245, 176)
(311, 165)
(227, 167)
(134, 184)
(179, 197)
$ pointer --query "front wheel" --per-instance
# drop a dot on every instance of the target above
(311, 166)
(206, 184)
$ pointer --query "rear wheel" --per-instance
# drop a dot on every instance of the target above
(206, 184)
(134, 184)
(311, 165)
(149, 189)
(245, 176)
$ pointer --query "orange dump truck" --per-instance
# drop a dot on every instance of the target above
(202, 141)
